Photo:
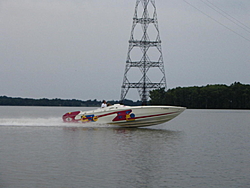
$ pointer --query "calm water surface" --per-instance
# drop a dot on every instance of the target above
(200, 148)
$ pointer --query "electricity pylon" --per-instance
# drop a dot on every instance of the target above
(145, 43)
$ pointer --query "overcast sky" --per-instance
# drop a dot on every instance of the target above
(76, 49)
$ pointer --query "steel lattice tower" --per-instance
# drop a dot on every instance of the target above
(145, 18)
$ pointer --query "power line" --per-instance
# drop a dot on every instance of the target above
(227, 16)
(217, 21)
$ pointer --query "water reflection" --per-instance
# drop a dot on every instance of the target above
(129, 155)
(145, 133)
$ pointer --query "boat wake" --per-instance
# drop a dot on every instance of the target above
(44, 122)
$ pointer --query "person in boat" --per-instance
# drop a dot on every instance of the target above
(104, 104)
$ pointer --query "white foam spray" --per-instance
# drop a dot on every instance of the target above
(46, 122)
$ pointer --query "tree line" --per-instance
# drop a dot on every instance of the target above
(219, 96)
(18, 101)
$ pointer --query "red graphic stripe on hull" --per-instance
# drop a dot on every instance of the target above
(154, 115)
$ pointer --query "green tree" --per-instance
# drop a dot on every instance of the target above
(218, 96)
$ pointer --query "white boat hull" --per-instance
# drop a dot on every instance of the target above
(126, 116)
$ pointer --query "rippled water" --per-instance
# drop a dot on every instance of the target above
(200, 148)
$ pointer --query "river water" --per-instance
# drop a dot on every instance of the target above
(199, 148)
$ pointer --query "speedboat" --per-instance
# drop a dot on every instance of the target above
(125, 116)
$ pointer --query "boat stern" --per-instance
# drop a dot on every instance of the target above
(70, 116)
